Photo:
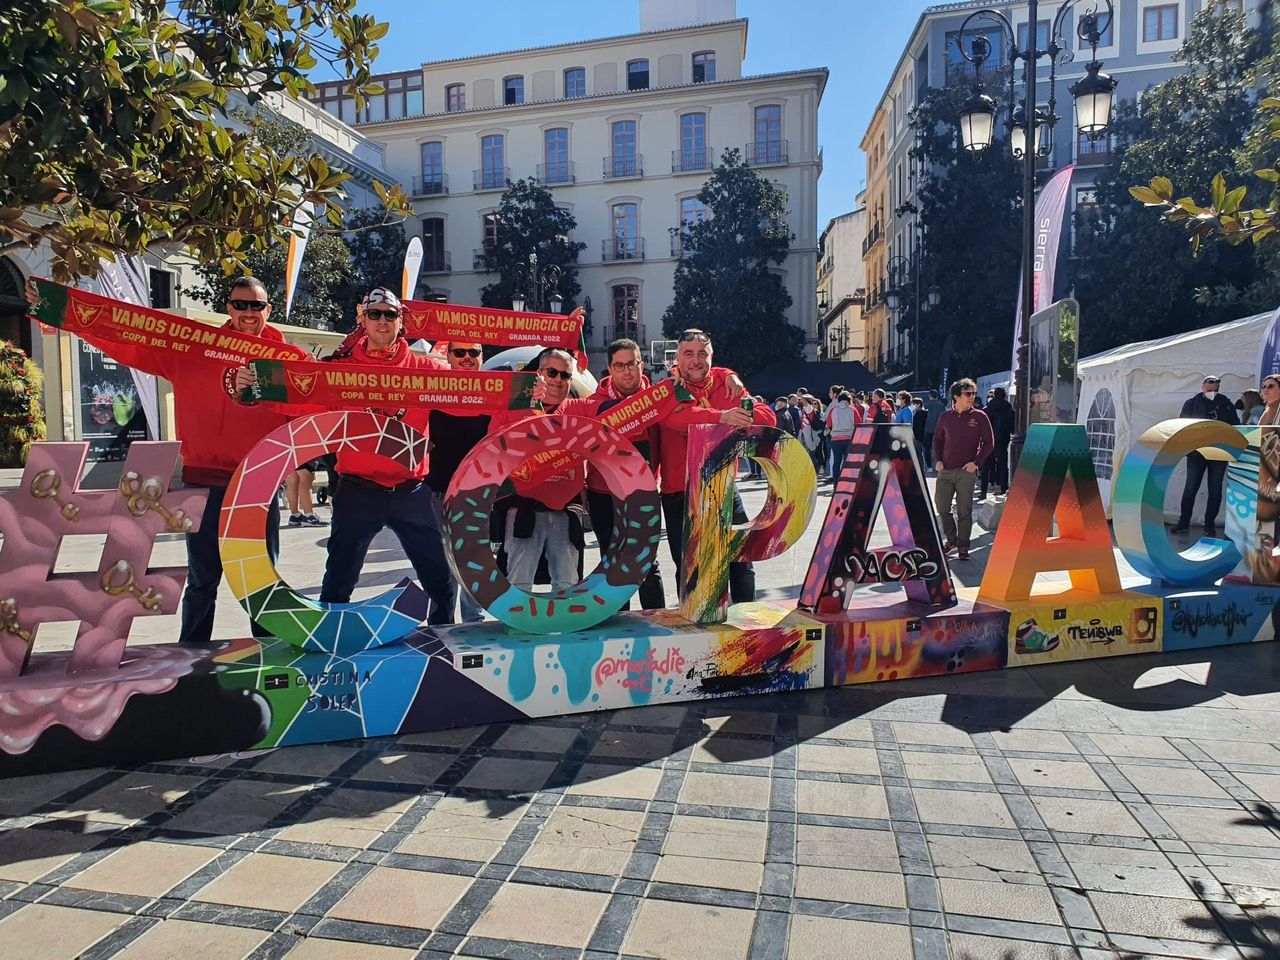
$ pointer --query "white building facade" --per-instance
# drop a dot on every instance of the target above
(841, 284)
(623, 131)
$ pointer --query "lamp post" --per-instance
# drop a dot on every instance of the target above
(932, 296)
(1031, 136)
(537, 288)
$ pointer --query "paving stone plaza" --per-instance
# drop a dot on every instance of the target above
(1120, 807)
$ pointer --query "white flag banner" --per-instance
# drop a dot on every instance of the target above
(301, 230)
(125, 278)
(412, 265)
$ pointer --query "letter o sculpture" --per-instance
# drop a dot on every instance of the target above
(637, 523)
(336, 628)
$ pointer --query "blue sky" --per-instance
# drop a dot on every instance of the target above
(859, 41)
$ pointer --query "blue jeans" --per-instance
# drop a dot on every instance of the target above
(360, 512)
(839, 450)
(550, 533)
(204, 570)
(472, 612)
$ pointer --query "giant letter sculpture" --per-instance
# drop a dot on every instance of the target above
(882, 471)
(711, 541)
(637, 520)
(336, 628)
(1055, 477)
(1138, 498)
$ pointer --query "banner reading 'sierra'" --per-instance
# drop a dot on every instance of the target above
(346, 385)
(103, 322)
(466, 324)
(1050, 214)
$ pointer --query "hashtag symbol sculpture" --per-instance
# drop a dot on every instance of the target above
(50, 504)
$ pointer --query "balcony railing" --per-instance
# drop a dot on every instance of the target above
(431, 186)
(550, 174)
(623, 165)
(622, 248)
(765, 152)
(680, 246)
(437, 261)
(491, 178)
(872, 238)
(692, 160)
(478, 261)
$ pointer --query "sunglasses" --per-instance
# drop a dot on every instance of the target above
(1270, 385)
(968, 393)
(461, 352)
(627, 365)
(255, 305)
(562, 374)
(694, 335)
(382, 314)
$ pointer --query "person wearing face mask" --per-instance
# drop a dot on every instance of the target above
(1208, 404)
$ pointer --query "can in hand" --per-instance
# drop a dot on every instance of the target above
(747, 404)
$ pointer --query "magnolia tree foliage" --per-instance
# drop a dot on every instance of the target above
(114, 134)
(528, 221)
(727, 282)
(1134, 278)
(1241, 204)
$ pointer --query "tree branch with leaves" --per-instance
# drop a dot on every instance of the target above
(114, 128)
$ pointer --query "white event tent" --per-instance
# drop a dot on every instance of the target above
(1126, 390)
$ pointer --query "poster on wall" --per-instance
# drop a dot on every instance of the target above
(109, 415)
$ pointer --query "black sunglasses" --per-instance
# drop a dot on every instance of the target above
(461, 352)
(968, 393)
(256, 305)
(698, 335)
(382, 314)
(562, 374)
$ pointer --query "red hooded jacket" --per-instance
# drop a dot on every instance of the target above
(558, 491)
(711, 397)
(215, 430)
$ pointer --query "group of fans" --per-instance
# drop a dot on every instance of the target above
(372, 493)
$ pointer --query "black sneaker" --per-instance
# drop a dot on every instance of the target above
(1180, 527)
(963, 554)
(1211, 529)
(311, 520)
(295, 519)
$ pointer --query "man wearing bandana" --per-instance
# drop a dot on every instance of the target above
(1208, 404)
(374, 492)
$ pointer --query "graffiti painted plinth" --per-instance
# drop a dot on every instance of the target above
(1076, 624)
(639, 658)
(888, 638)
(1220, 616)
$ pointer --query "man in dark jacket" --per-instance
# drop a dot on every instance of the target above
(996, 470)
(1208, 404)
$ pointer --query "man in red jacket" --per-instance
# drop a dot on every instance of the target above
(216, 433)
(374, 493)
(717, 392)
(626, 378)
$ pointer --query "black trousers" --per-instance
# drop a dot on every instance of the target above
(742, 576)
(996, 470)
(1197, 467)
(600, 506)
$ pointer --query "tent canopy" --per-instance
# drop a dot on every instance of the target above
(1127, 390)
(785, 376)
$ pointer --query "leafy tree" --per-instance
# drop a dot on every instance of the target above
(376, 260)
(1135, 279)
(970, 209)
(114, 133)
(724, 283)
(1248, 213)
(530, 222)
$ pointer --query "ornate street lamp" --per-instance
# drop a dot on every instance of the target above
(1092, 94)
(536, 288)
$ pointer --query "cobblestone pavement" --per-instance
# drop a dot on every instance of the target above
(1112, 808)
